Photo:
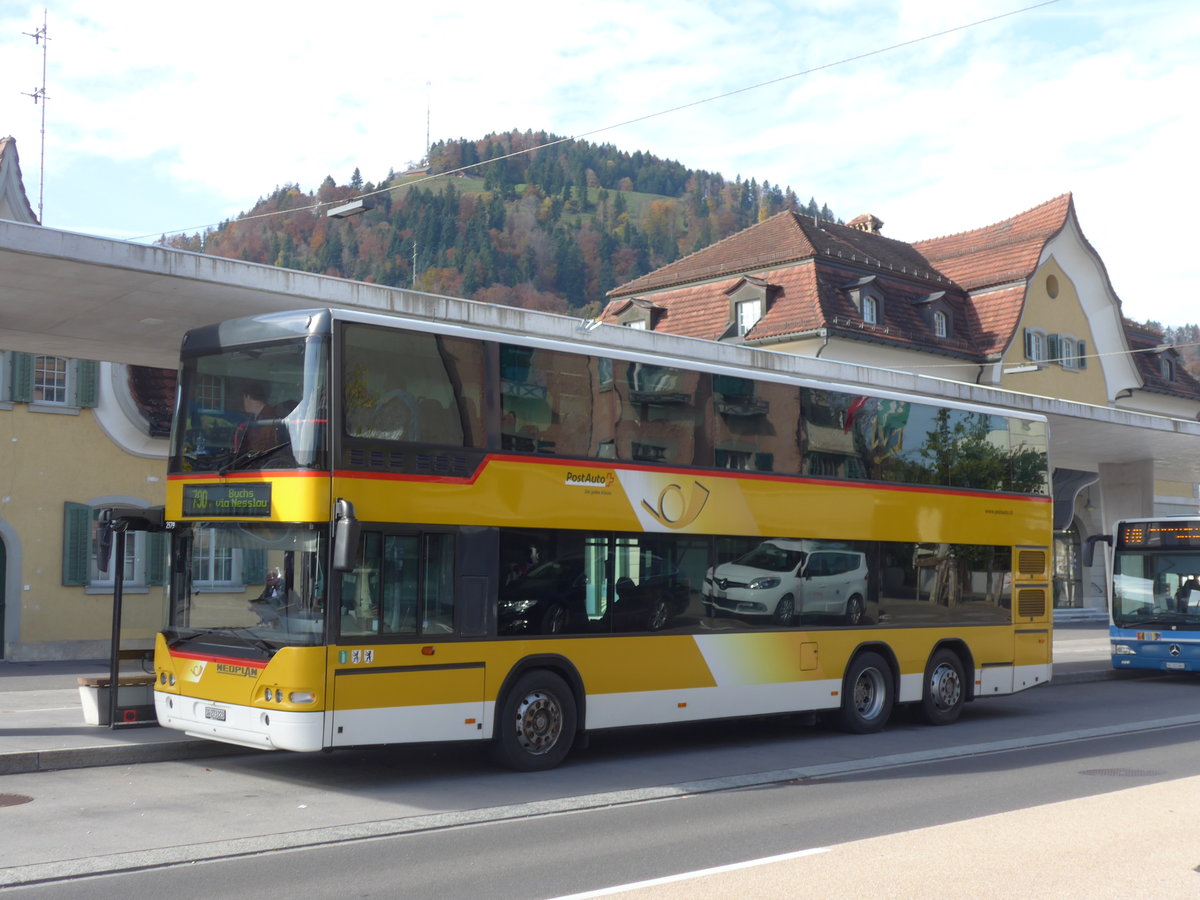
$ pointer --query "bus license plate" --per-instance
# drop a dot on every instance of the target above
(1176, 665)
(215, 713)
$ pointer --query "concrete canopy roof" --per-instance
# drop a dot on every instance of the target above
(93, 298)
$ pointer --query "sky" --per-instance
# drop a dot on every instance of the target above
(937, 116)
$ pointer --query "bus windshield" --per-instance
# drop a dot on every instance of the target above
(257, 406)
(1156, 588)
(250, 584)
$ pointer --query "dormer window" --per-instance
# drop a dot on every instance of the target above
(747, 305)
(1167, 368)
(748, 314)
(640, 314)
(866, 296)
(936, 312)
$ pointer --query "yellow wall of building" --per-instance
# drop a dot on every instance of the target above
(47, 459)
(1062, 314)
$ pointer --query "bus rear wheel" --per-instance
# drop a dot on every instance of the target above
(867, 695)
(536, 723)
(944, 690)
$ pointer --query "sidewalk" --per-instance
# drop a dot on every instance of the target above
(42, 726)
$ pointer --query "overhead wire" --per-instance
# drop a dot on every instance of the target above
(316, 207)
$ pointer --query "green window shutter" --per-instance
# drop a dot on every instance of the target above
(87, 381)
(1028, 344)
(156, 556)
(1081, 349)
(77, 543)
(254, 567)
(1053, 348)
(22, 377)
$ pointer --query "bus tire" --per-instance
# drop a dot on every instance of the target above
(944, 690)
(867, 694)
(535, 725)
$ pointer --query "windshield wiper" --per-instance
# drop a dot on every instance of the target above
(246, 637)
(249, 456)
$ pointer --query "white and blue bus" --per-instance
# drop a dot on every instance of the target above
(1154, 594)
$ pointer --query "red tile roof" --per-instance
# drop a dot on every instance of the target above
(809, 264)
(1002, 253)
(786, 237)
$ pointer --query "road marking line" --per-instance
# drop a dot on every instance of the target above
(698, 873)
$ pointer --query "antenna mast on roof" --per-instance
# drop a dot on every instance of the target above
(428, 85)
(41, 36)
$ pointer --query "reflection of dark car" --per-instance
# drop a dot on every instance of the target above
(650, 604)
(551, 598)
(548, 599)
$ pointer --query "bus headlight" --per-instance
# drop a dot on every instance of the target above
(302, 697)
(1123, 650)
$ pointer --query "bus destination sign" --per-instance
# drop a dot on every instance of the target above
(216, 501)
(1144, 535)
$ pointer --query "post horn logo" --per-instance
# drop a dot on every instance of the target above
(674, 510)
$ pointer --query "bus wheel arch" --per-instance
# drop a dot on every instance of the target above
(945, 685)
(869, 690)
(538, 714)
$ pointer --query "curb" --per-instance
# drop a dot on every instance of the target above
(22, 762)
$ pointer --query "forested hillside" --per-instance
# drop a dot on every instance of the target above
(554, 228)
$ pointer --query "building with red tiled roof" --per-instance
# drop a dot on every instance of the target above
(1025, 304)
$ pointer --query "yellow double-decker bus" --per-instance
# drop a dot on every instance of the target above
(468, 522)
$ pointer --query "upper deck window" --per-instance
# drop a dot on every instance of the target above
(253, 406)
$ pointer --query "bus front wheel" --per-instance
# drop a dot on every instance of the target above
(536, 723)
(944, 692)
(867, 694)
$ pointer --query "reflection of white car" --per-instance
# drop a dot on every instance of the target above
(784, 578)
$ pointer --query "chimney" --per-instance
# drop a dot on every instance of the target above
(868, 223)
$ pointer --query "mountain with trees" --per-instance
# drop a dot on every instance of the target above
(521, 218)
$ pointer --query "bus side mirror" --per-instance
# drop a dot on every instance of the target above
(1089, 547)
(345, 537)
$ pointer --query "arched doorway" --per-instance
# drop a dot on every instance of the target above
(1068, 571)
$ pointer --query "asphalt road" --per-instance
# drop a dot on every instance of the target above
(639, 805)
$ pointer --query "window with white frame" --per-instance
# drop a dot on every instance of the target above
(210, 392)
(1166, 367)
(134, 570)
(1068, 352)
(870, 309)
(748, 314)
(50, 384)
(941, 324)
(214, 567)
(638, 324)
(141, 566)
(1035, 344)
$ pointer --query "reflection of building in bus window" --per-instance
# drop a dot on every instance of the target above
(949, 573)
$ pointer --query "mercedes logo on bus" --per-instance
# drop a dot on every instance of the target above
(1174, 650)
